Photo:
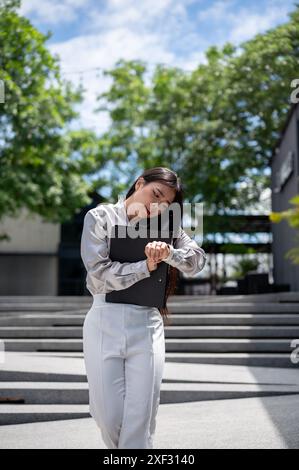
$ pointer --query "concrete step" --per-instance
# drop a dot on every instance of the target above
(277, 360)
(177, 344)
(40, 332)
(174, 307)
(251, 358)
(253, 423)
(16, 312)
(16, 414)
(42, 367)
(43, 345)
(225, 307)
(53, 319)
(44, 392)
(235, 319)
(194, 331)
(41, 299)
(281, 297)
(33, 376)
(228, 345)
(292, 296)
(171, 392)
(230, 332)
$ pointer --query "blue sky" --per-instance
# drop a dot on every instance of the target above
(89, 34)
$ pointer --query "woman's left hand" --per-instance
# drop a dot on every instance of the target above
(157, 250)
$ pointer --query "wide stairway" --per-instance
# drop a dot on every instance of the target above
(257, 330)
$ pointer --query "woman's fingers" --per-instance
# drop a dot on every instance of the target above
(156, 250)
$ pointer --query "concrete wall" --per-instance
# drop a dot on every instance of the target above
(283, 235)
(28, 261)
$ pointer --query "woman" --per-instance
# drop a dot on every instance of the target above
(124, 344)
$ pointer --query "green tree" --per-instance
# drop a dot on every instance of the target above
(244, 266)
(44, 162)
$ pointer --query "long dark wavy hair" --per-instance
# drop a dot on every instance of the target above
(169, 178)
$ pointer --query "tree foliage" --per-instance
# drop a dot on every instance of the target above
(43, 161)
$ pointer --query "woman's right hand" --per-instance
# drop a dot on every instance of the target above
(155, 251)
(152, 265)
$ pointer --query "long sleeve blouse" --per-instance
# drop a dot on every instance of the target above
(105, 275)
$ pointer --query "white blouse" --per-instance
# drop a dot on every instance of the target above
(105, 275)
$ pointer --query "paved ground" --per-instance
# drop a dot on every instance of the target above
(247, 423)
(203, 406)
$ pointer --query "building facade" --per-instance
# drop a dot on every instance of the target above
(40, 257)
(284, 186)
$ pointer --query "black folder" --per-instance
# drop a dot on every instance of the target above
(127, 245)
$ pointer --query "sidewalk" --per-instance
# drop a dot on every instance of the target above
(203, 406)
(248, 423)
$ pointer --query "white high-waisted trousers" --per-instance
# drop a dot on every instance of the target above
(124, 355)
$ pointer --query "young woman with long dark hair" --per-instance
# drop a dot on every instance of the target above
(124, 344)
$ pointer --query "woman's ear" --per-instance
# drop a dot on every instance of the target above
(139, 183)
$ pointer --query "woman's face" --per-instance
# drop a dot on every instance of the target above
(149, 199)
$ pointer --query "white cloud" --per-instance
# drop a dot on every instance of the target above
(53, 11)
(236, 24)
(103, 50)
(217, 11)
(248, 25)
